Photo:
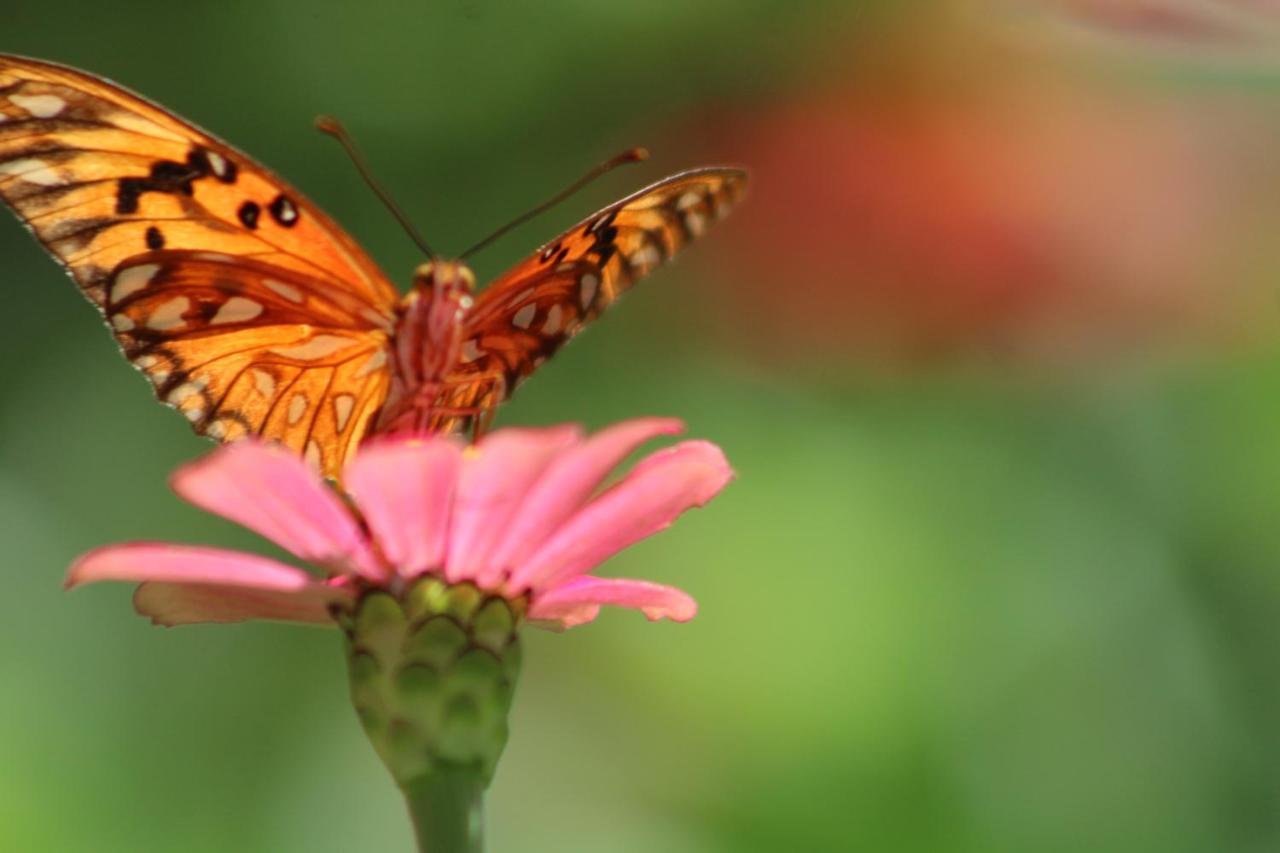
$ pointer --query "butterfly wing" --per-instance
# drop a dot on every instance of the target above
(241, 347)
(100, 174)
(528, 313)
(126, 195)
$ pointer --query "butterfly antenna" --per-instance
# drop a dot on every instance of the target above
(631, 155)
(333, 127)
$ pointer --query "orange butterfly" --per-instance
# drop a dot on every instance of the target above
(253, 313)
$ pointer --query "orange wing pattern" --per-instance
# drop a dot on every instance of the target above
(241, 347)
(139, 205)
(529, 312)
(100, 174)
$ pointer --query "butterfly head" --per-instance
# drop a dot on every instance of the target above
(446, 282)
(447, 279)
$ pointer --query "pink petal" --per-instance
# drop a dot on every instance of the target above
(496, 475)
(275, 494)
(183, 604)
(404, 487)
(568, 618)
(569, 481)
(161, 561)
(647, 500)
(579, 600)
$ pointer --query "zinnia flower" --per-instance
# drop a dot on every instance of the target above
(432, 561)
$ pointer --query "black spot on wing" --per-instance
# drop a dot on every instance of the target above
(284, 211)
(249, 213)
(167, 176)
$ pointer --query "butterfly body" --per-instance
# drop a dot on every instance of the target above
(253, 313)
(429, 337)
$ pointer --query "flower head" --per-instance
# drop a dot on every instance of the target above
(431, 561)
(516, 516)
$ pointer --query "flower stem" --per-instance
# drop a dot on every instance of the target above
(447, 810)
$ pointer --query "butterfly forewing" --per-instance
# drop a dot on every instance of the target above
(249, 309)
(528, 313)
(100, 175)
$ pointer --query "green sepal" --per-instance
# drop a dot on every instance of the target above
(433, 673)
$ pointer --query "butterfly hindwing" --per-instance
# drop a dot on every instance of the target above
(241, 347)
(529, 312)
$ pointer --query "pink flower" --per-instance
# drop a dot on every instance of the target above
(514, 515)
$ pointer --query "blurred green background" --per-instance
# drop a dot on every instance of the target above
(992, 345)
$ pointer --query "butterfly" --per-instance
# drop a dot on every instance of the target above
(253, 313)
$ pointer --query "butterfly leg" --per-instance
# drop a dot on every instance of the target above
(474, 398)
(481, 423)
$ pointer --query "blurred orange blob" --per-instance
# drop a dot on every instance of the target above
(926, 205)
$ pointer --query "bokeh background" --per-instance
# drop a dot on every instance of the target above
(993, 346)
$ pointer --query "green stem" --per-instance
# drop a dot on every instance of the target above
(447, 807)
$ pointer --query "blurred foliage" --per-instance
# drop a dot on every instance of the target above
(965, 604)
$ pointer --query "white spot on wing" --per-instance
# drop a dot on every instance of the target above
(297, 407)
(218, 163)
(374, 362)
(645, 258)
(169, 315)
(122, 322)
(288, 291)
(470, 352)
(264, 382)
(551, 325)
(194, 415)
(230, 429)
(237, 309)
(159, 377)
(132, 280)
(40, 106)
(688, 200)
(318, 347)
(342, 406)
(587, 289)
(33, 171)
(180, 394)
(312, 455)
(217, 430)
(525, 316)
(695, 222)
(216, 257)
